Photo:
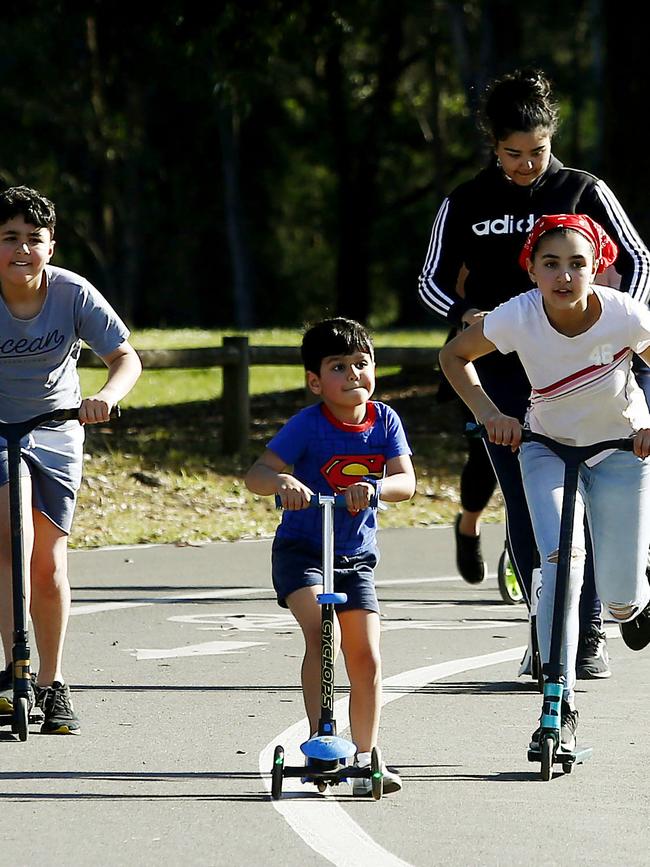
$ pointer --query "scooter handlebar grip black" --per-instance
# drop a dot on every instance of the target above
(474, 431)
(73, 413)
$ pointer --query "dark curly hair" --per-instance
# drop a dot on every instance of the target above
(29, 204)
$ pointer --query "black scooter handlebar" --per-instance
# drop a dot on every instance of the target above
(474, 431)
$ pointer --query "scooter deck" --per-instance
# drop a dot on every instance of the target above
(564, 757)
(333, 777)
(35, 717)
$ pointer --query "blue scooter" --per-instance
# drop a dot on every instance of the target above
(326, 752)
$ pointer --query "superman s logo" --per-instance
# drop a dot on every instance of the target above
(341, 471)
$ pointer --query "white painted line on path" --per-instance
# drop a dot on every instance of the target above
(98, 607)
(208, 648)
(322, 822)
(395, 582)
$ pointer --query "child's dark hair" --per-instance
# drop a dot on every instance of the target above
(564, 231)
(29, 204)
(519, 102)
(336, 336)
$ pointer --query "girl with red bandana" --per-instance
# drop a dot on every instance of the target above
(576, 342)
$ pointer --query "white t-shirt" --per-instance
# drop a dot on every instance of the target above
(583, 388)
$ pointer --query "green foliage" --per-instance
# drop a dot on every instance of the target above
(268, 162)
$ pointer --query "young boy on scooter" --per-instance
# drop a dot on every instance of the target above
(346, 444)
(45, 313)
(576, 342)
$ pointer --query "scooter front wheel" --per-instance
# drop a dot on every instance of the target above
(376, 774)
(277, 773)
(548, 747)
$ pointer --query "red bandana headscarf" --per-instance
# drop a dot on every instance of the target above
(605, 250)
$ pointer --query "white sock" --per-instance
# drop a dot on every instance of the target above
(363, 759)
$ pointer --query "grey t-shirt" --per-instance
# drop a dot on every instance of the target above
(38, 357)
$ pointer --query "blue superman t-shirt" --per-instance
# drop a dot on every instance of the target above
(327, 455)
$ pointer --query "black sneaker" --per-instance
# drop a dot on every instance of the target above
(568, 727)
(636, 633)
(469, 559)
(60, 718)
(7, 690)
(592, 660)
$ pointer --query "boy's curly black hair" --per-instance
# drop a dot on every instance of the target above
(29, 204)
(337, 336)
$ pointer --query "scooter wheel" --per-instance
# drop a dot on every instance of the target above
(548, 745)
(321, 787)
(21, 718)
(567, 767)
(377, 775)
(508, 584)
(277, 773)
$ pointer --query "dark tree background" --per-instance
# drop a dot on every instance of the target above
(244, 163)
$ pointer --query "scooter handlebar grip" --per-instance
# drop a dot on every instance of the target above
(339, 502)
(474, 431)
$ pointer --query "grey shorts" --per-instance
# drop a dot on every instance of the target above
(295, 564)
(53, 458)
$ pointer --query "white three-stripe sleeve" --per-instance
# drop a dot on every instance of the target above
(629, 239)
(432, 295)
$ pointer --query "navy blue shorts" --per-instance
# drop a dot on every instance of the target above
(295, 564)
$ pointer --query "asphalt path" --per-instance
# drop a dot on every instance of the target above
(185, 676)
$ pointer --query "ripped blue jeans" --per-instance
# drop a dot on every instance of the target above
(615, 495)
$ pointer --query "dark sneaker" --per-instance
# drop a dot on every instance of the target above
(636, 633)
(469, 559)
(7, 697)
(392, 782)
(568, 727)
(592, 660)
(7, 690)
(56, 704)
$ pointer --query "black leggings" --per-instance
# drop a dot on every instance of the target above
(477, 479)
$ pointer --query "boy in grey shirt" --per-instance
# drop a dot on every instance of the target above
(45, 313)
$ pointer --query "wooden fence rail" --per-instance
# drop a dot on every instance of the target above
(236, 356)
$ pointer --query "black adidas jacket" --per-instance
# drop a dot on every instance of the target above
(484, 222)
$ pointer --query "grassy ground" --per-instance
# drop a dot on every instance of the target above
(157, 474)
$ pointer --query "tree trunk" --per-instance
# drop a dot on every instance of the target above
(240, 256)
(625, 98)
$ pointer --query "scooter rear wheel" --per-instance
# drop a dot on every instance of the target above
(508, 585)
(548, 746)
(277, 773)
(21, 718)
(377, 775)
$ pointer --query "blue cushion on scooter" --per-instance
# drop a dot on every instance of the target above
(331, 598)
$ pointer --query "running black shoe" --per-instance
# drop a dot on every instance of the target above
(592, 660)
(636, 633)
(60, 718)
(469, 558)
